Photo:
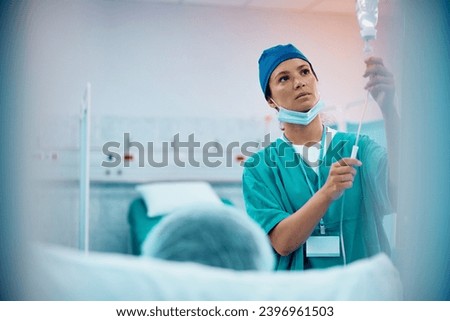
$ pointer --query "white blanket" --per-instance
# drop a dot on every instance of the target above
(67, 274)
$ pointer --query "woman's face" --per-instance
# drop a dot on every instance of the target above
(293, 86)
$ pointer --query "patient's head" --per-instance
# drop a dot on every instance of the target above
(219, 236)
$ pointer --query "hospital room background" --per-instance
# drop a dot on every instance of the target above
(152, 72)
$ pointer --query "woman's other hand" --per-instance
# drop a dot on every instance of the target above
(381, 83)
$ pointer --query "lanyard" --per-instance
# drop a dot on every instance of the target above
(319, 179)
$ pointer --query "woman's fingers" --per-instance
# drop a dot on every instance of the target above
(373, 60)
(374, 70)
(348, 161)
(377, 73)
(379, 79)
(341, 176)
(346, 178)
(345, 167)
(343, 170)
(346, 185)
(381, 84)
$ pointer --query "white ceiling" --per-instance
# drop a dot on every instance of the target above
(305, 6)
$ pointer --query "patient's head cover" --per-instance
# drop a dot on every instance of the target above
(219, 236)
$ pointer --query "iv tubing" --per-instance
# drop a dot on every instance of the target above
(341, 229)
(355, 146)
(84, 170)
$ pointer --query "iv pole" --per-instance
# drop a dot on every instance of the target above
(85, 124)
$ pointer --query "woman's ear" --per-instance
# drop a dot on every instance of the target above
(272, 103)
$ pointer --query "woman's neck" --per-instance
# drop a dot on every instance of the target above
(304, 134)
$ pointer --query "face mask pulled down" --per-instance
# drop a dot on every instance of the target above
(298, 117)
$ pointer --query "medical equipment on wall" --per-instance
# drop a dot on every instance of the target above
(85, 124)
(367, 15)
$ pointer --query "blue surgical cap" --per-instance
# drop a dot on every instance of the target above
(274, 56)
(218, 236)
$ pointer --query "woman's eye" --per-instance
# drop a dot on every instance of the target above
(283, 79)
(305, 72)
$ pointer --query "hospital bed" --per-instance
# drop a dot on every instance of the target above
(140, 224)
(139, 220)
(60, 273)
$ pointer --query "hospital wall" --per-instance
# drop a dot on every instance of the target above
(154, 60)
(171, 63)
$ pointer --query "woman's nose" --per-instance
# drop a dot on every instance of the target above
(298, 82)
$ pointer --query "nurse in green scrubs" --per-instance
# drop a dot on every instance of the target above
(319, 207)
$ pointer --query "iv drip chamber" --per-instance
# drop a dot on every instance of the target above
(367, 15)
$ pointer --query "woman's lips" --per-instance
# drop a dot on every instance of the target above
(302, 95)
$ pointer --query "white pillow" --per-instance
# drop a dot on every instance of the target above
(165, 197)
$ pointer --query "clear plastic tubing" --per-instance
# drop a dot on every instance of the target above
(367, 15)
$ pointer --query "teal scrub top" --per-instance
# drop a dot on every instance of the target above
(274, 187)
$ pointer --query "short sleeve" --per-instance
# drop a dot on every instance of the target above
(375, 175)
(262, 199)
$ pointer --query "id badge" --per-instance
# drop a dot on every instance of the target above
(323, 246)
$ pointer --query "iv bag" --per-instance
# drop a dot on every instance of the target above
(367, 14)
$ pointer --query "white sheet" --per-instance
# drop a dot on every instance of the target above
(65, 274)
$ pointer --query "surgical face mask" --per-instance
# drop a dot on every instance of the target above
(298, 117)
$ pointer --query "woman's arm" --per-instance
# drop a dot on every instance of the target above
(382, 88)
(288, 235)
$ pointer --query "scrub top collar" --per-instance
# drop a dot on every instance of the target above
(322, 150)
